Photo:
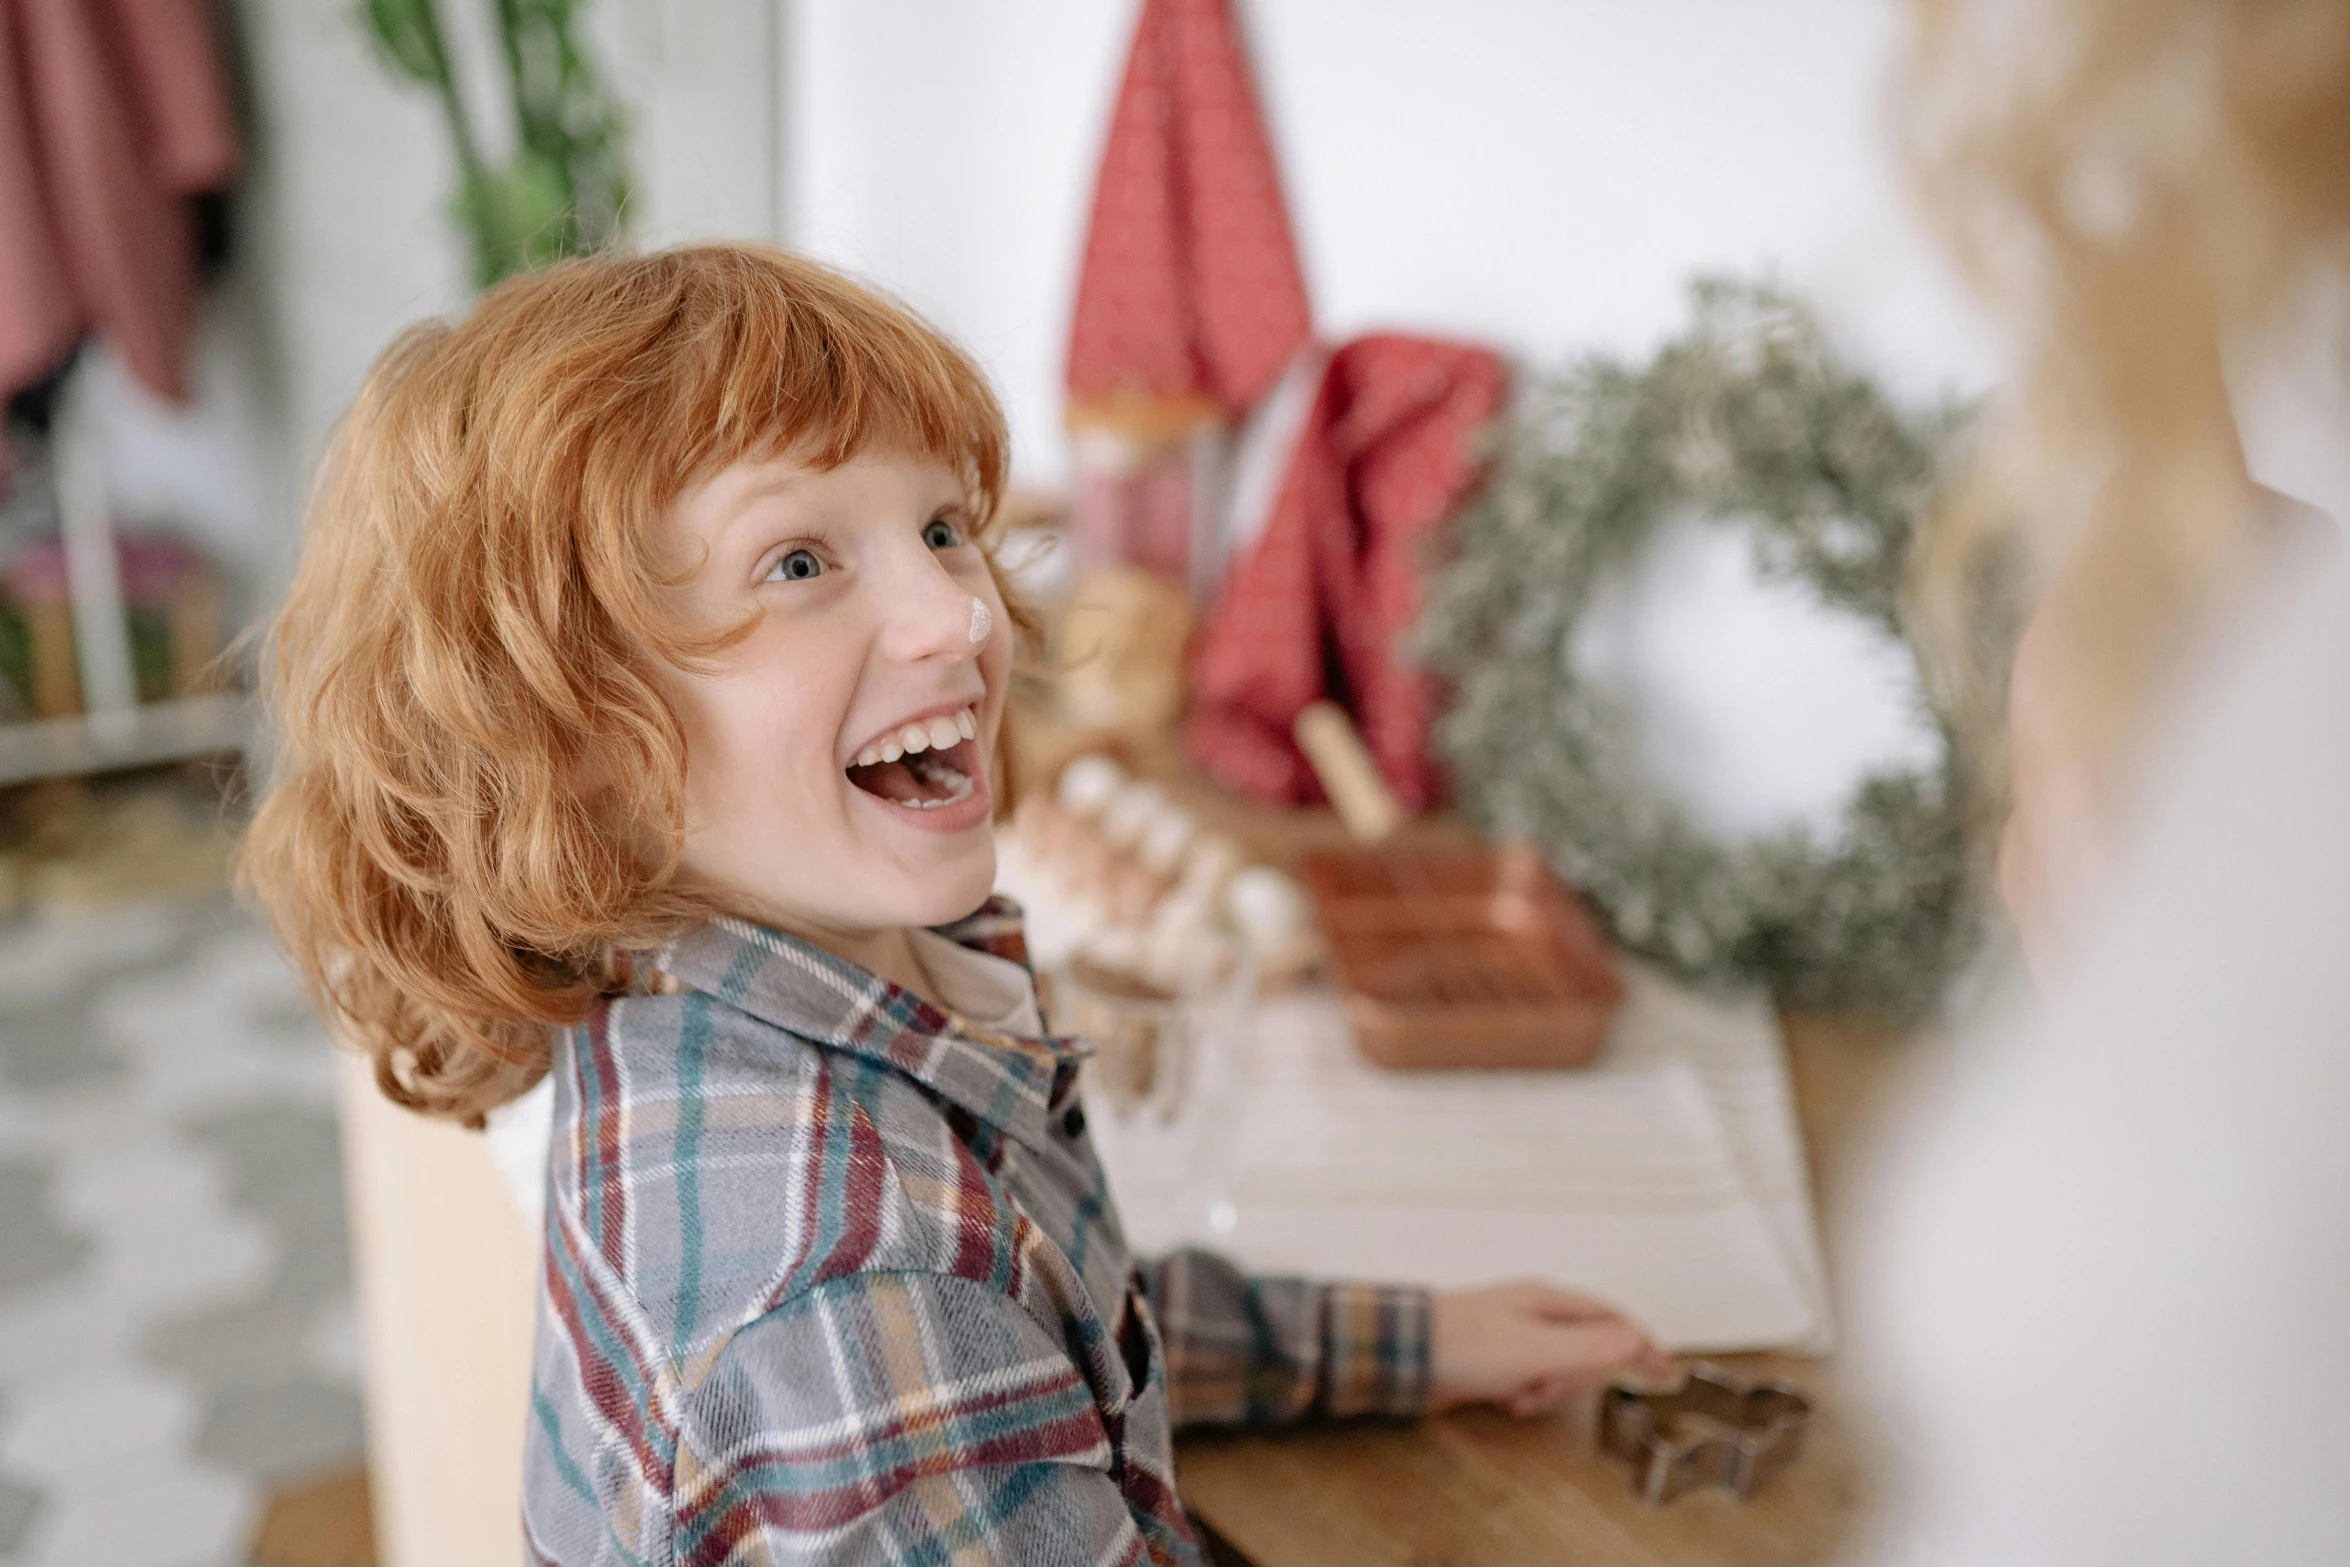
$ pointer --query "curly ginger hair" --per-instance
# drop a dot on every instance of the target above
(476, 807)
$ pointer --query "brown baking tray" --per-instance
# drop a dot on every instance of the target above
(1463, 958)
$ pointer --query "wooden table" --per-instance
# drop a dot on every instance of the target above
(1477, 1488)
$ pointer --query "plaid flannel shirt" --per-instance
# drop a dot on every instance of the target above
(832, 1276)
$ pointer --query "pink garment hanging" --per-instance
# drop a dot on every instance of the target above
(1332, 586)
(1190, 291)
(112, 113)
(1189, 300)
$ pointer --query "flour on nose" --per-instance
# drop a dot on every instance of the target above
(982, 622)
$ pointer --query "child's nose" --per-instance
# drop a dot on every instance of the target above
(933, 617)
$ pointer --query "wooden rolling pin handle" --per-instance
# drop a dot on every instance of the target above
(1348, 775)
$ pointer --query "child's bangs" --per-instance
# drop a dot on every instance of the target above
(823, 374)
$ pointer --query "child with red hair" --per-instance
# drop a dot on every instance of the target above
(639, 694)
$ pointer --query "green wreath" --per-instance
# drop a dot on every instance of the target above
(1749, 418)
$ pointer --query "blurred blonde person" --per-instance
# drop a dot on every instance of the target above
(2113, 1252)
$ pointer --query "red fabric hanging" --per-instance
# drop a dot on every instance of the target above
(1189, 300)
(112, 112)
(1332, 585)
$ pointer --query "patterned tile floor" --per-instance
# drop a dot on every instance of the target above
(175, 1314)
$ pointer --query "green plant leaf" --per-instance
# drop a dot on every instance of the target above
(408, 36)
(566, 191)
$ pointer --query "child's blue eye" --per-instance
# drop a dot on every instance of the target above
(798, 566)
(941, 534)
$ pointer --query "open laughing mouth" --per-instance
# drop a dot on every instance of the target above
(926, 765)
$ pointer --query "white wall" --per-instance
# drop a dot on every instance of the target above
(702, 80)
(1542, 175)
(1539, 174)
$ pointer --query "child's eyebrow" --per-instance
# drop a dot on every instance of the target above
(742, 509)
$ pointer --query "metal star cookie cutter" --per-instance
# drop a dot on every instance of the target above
(1715, 1429)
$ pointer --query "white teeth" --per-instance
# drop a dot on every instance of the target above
(959, 787)
(936, 734)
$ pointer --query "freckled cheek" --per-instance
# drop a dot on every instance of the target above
(760, 742)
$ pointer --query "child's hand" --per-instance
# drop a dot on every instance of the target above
(1527, 1347)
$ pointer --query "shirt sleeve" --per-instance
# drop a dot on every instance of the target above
(1259, 1351)
(897, 1418)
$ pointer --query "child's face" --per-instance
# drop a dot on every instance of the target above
(876, 619)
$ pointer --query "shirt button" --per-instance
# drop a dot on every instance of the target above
(1073, 1124)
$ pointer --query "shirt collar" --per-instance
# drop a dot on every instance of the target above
(1007, 1081)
